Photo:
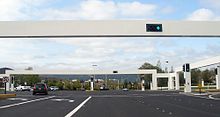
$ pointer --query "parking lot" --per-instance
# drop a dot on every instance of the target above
(109, 104)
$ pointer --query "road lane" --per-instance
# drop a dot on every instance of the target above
(44, 108)
(115, 107)
(115, 104)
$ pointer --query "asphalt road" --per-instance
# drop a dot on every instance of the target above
(109, 104)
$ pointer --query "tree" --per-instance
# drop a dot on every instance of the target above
(159, 64)
(166, 70)
(60, 85)
(150, 66)
(195, 76)
(76, 85)
(29, 79)
(125, 84)
(208, 76)
(171, 69)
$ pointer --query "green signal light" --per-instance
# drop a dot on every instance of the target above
(158, 27)
(154, 28)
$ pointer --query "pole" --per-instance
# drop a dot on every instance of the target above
(106, 84)
(5, 87)
(118, 85)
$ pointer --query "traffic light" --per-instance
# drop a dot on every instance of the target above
(184, 68)
(115, 72)
(216, 71)
(92, 78)
(187, 67)
(154, 28)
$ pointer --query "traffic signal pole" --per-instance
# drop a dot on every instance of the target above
(92, 83)
(5, 87)
(187, 77)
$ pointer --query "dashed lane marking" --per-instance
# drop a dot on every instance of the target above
(22, 99)
(21, 103)
(59, 100)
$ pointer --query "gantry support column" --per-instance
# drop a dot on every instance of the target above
(154, 81)
(218, 78)
(142, 85)
(177, 81)
(170, 83)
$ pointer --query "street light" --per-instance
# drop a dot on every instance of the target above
(94, 65)
(167, 65)
(93, 78)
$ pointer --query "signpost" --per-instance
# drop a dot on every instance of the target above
(5, 80)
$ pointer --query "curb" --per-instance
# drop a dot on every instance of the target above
(3, 96)
(194, 94)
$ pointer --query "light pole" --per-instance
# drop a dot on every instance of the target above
(94, 65)
(167, 65)
(170, 79)
(93, 78)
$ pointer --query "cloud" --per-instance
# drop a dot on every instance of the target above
(202, 15)
(136, 9)
(211, 3)
(97, 10)
(11, 10)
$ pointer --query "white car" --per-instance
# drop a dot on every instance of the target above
(54, 88)
(23, 88)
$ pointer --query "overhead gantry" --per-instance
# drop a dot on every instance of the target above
(153, 72)
(108, 28)
(111, 28)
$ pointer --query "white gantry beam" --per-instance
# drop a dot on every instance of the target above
(202, 63)
(107, 28)
(54, 72)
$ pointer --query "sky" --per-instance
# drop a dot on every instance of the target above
(106, 53)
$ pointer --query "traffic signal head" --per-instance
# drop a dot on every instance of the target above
(184, 68)
(187, 67)
(154, 28)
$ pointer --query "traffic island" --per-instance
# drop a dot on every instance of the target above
(4, 96)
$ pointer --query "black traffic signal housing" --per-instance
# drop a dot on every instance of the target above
(154, 28)
(184, 69)
(115, 72)
(216, 71)
(187, 67)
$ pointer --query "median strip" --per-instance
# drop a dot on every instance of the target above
(21, 103)
(3, 96)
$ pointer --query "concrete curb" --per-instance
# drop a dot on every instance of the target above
(194, 94)
(3, 96)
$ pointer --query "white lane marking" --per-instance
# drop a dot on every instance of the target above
(17, 104)
(59, 100)
(78, 107)
(22, 99)
(210, 97)
(71, 100)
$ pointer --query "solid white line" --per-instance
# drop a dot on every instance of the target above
(210, 96)
(77, 108)
(21, 103)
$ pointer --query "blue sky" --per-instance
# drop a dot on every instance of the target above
(107, 53)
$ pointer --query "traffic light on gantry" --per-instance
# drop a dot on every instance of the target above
(154, 28)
